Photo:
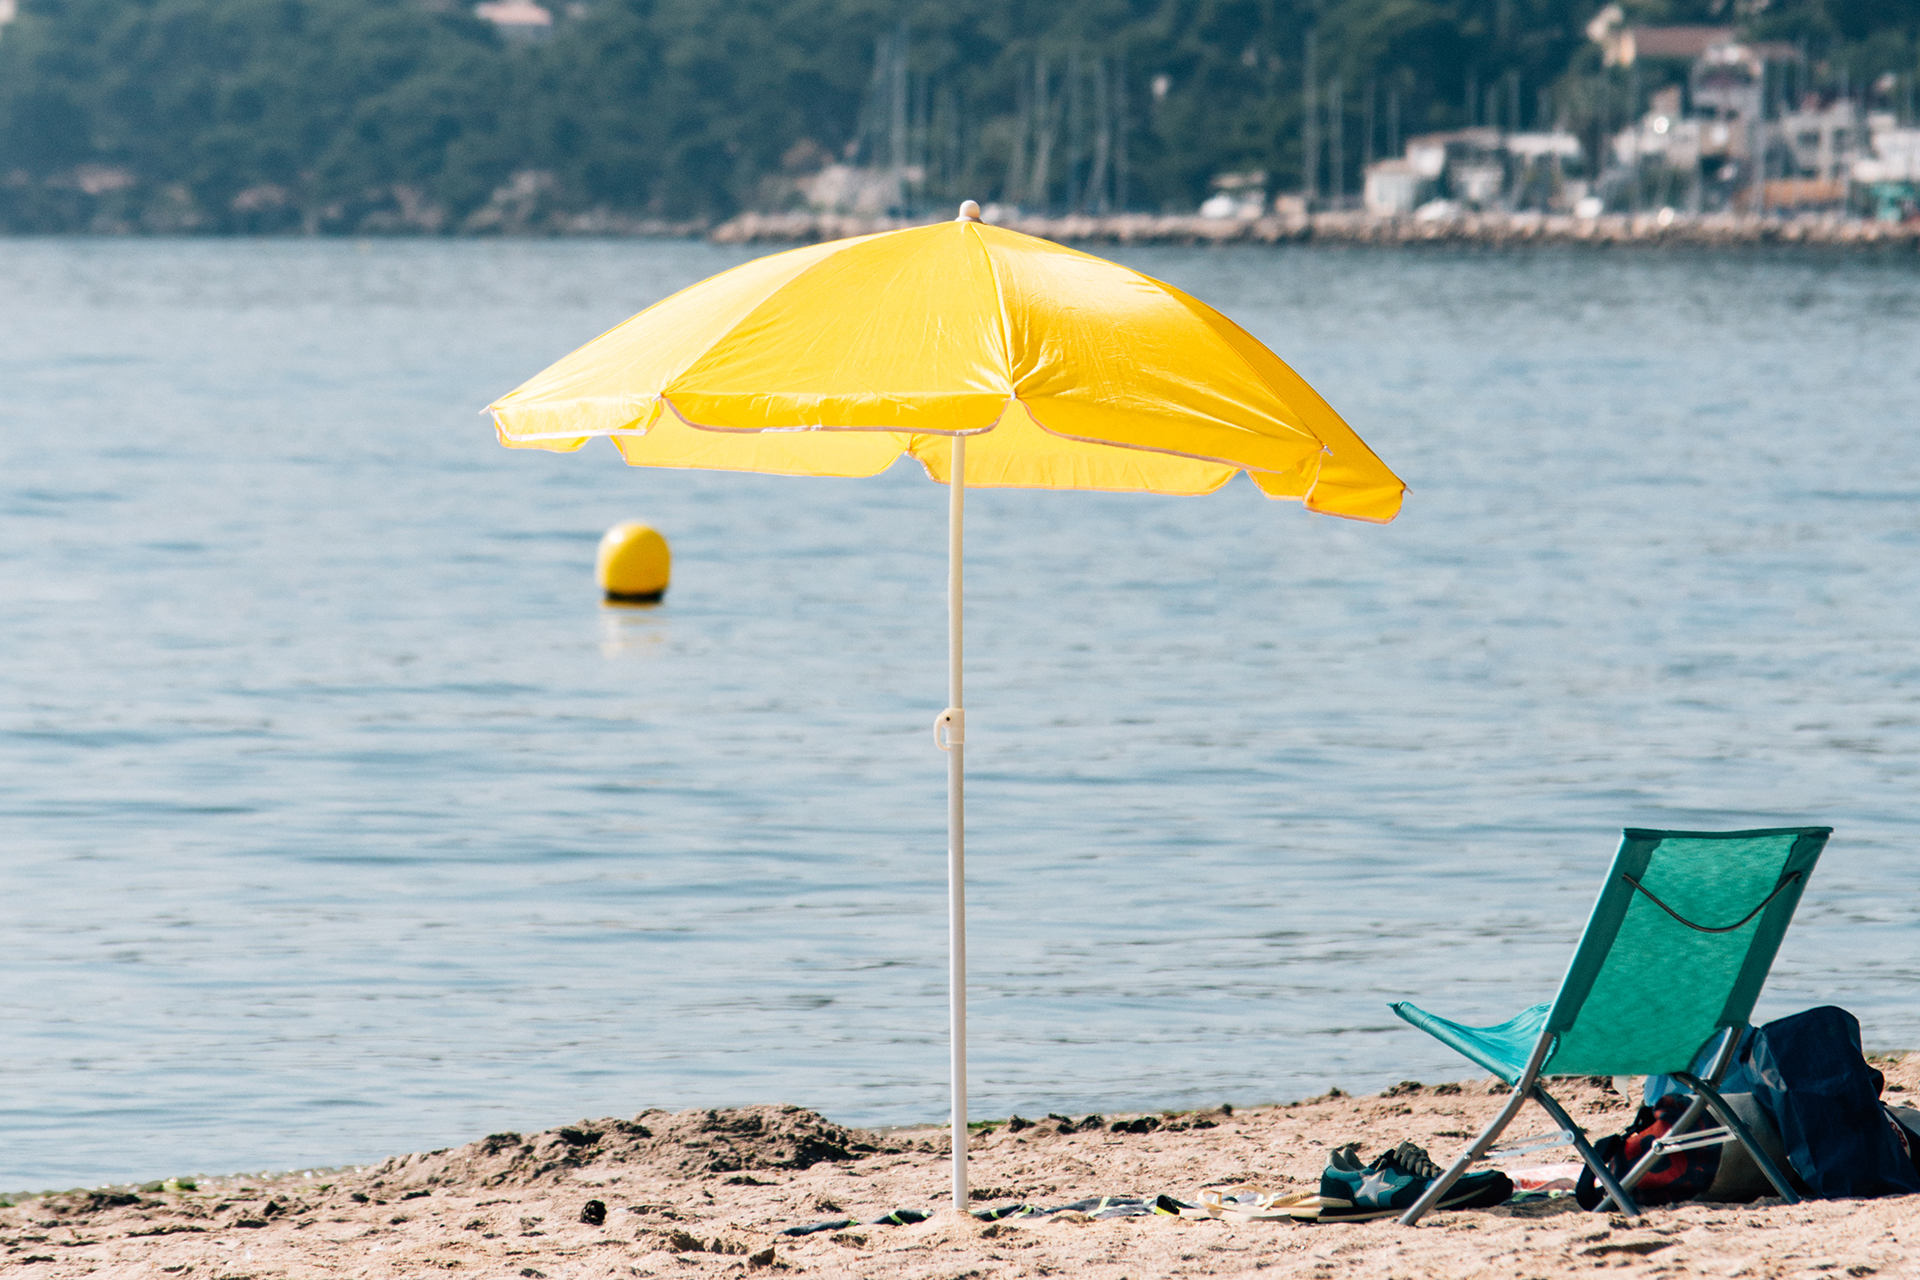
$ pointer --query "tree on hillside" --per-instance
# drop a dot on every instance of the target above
(366, 115)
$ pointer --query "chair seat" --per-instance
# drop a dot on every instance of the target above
(1502, 1049)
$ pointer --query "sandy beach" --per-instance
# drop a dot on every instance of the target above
(711, 1192)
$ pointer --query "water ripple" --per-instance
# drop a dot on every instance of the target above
(342, 820)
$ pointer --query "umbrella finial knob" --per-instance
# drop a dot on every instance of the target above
(969, 211)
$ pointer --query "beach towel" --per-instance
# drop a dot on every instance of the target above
(1544, 1179)
(1239, 1204)
(1095, 1207)
(1250, 1204)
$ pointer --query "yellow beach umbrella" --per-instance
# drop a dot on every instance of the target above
(997, 360)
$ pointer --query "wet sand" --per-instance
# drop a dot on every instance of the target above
(710, 1192)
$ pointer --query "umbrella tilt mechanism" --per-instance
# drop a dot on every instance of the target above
(950, 729)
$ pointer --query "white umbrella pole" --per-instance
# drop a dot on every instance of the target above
(954, 723)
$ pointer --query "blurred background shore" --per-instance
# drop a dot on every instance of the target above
(1696, 119)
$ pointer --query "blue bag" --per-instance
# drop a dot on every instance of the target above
(1738, 1078)
(1813, 1083)
(1807, 1073)
(1811, 1078)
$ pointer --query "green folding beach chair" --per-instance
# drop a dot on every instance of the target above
(1674, 955)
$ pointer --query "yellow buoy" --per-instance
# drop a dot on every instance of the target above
(634, 564)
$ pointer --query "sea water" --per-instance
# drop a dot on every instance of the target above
(339, 818)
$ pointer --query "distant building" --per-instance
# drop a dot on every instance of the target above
(1896, 152)
(1237, 195)
(1889, 178)
(1795, 195)
(842, 188)
(1629, 45)
(1466, 165)
(1393, 188)
(1708, 143)
(1822, 140)
(1477, 168)
(1544, 148)
(516, 19)
(1622, 45)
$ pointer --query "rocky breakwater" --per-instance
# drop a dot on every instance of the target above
(1489, 229)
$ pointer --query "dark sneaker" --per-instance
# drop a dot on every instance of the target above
(1353, 1192)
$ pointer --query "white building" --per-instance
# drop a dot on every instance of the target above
(516, 19)
(1393, 188)
(841, 188)
(1536, 148)
(1237, 195)
(1896, 152)
(1472, 167)
(1824, 140)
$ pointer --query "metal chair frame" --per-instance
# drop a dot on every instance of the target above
(1706, 1097)
(1597, 944)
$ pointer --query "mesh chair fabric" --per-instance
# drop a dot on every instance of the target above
(1645, 990)
(1501, 1049)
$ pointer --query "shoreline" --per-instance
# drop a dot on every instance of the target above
(716, 1191)
(1723, 231)
(1490, 230)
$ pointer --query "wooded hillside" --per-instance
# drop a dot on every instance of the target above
(358, 115)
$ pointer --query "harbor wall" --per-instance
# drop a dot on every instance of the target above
(1492, 229)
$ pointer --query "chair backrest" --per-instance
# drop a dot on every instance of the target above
(1678, 946)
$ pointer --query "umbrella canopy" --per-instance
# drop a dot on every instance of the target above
(1070, 372)
(994, 358)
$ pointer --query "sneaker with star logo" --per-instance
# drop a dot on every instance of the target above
(1354, 1192)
